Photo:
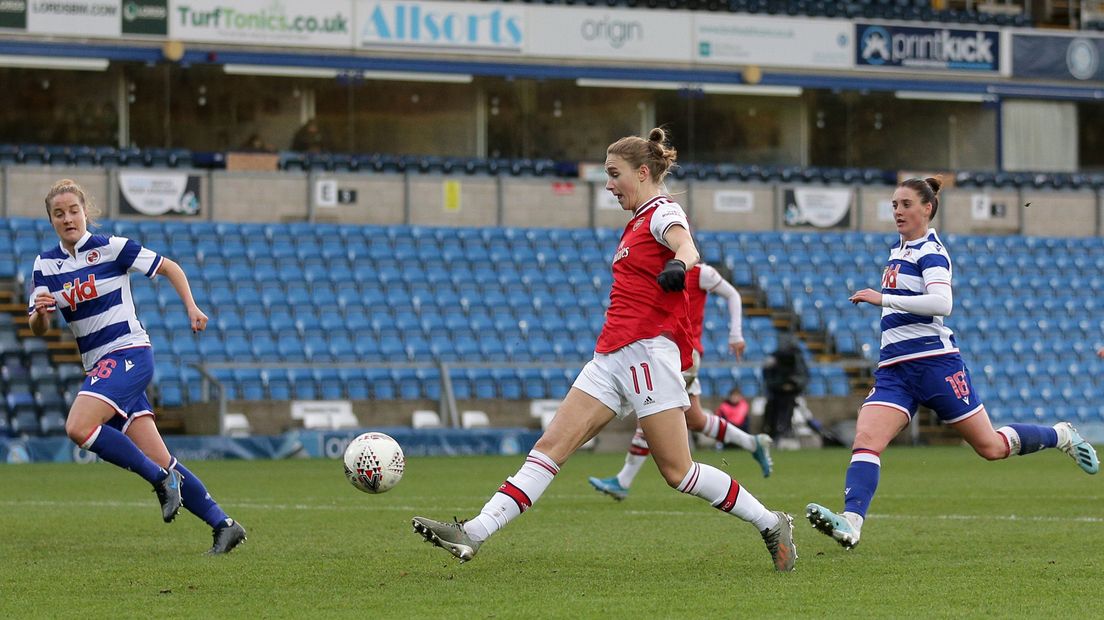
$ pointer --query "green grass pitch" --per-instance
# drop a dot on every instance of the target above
(949, 535)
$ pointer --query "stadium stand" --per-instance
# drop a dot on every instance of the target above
(370, 163)
(515, 312)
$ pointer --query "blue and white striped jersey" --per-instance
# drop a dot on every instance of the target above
(912, 268)
(92, 290)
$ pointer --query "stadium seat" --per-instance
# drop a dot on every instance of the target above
(474, 419)
(423, 418)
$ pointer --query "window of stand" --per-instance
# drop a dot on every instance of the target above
(57, 107)
(881, 130)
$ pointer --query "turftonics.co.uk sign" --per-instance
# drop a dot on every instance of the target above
(901, 47)
(319, 23)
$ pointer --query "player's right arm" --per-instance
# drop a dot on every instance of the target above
(42, 304)
(39, 319)
(712, 282)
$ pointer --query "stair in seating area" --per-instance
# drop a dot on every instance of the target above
(62, 348)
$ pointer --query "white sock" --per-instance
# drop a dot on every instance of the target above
(726, 495)
(1063, 433)
(634, 460)
(854, 519)
(1012, 438)
(724, 431)
(514, 497)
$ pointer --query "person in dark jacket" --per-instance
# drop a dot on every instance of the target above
(786, 375)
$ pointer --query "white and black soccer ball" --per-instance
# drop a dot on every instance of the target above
(374, 462)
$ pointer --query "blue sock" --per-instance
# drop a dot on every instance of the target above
(196, 498)
(117, 449)
(861, 481)
(1028, 438)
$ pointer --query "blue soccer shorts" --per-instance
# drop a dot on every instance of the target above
(940, 383)
(120, 379)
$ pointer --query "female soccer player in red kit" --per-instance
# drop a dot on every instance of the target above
(642, 350)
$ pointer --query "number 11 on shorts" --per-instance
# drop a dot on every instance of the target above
(647, 377)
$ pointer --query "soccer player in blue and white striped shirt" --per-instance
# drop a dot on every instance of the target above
(87, 278)
(920, 364)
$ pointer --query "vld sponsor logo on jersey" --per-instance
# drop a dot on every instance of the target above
(622, 252)
(889, 276)
(77, 291)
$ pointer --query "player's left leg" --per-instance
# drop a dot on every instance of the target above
(667, 436)
(1020, 439)
(716, 427)
(227, 532)
(879, 422)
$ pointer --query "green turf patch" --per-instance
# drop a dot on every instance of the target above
(949, 535)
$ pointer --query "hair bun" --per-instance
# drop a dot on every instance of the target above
(657, 135)
(935, 183)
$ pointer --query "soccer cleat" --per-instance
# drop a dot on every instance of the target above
(609, 486)
(226, 538)
(763, 443)
(449, 536)
(168, 493)
(831, 524)
(780, 542)
(1079, 449)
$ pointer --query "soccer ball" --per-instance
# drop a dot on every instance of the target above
(374, 462)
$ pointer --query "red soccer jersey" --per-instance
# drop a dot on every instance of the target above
(697, 297)
(639, 308)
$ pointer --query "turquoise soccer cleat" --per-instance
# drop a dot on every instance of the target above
(763, 443)
(609, 486)
(1078, 449)
(832, 524)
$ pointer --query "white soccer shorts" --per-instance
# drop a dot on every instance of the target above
(644, 377)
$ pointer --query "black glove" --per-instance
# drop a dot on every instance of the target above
(673, 276)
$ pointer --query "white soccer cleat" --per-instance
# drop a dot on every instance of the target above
(832, 524)
(1071, 442)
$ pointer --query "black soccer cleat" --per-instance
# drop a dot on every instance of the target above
(168, 493)
(226, 538)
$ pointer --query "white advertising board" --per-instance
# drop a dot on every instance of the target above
(609, 34)
(773, 41)
(319, 23)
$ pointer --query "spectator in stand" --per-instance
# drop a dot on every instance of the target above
(786, 375)
(734, 408)
(310, 139)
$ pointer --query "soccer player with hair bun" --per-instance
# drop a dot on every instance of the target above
(642, 350)
(86, 278)
(701, 280)
(920, 364)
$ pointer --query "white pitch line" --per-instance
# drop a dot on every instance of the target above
(641, 513)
